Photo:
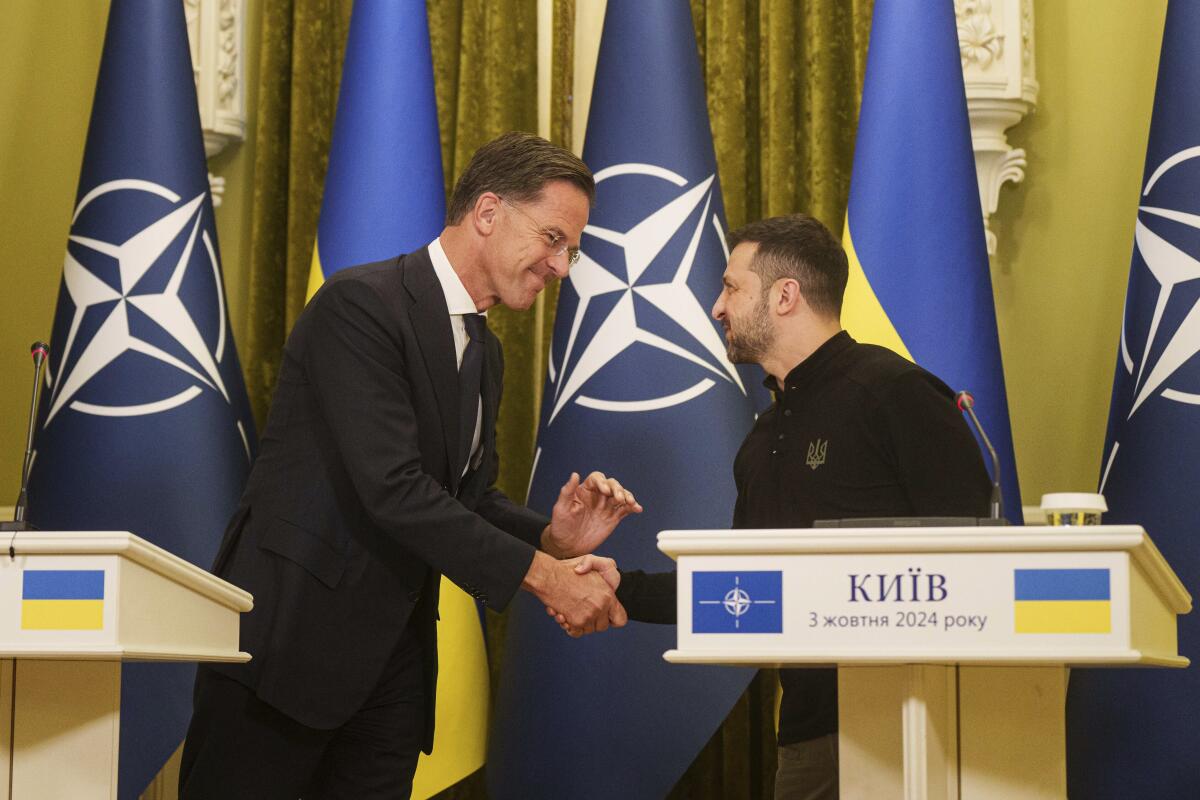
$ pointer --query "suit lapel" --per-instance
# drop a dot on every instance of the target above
(431, 321)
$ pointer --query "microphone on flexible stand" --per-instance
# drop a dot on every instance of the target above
(966, 404)
(39, 351)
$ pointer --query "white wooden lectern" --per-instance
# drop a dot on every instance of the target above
(77, 604)
(952, 644)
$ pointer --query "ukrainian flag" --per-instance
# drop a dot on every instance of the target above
(385, 195)
(1062, 601)
(384, 190)
(62, 600)
(919, 280)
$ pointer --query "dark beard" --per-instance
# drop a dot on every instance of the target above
(750, 344)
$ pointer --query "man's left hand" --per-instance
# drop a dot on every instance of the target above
(586, 513)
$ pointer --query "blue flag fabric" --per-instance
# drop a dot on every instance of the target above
(384, 191)
(919, 279)
(1132, 733)
(144, 425)
(640, 388)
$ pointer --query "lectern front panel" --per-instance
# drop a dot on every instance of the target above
(927, 607)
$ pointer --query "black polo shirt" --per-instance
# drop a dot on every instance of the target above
(856, 431)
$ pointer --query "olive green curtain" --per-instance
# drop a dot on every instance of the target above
(784, 78)
(300, 63)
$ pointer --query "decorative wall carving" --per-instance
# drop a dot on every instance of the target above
(215, 36)
(978, 39)
(1001, 90)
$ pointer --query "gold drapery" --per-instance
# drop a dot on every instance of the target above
(784, 79)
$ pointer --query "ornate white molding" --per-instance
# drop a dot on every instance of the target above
(995, 41)
(215, 34)
(216, 187)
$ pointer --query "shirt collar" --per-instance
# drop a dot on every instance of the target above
(458, 301)
(807, 369)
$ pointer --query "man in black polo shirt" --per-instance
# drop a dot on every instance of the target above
(855, 431)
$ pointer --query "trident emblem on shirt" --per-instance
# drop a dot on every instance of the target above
(816, 453)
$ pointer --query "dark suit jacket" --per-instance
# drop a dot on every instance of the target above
(355, 506)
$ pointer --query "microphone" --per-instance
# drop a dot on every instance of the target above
(39, 351)
(966, 404)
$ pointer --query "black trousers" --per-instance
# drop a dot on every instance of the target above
(239, 747)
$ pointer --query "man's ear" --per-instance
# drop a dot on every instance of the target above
(485, 213)
(789, 297)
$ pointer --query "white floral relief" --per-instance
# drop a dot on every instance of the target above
(227, 77)
(978, 40)
(1027, 32)
(215, 37)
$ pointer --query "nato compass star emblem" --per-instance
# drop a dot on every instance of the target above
(737, 602)
(1171, 267)
(127, 299)
(630, 271)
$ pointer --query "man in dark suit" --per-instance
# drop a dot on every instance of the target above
(375, 477)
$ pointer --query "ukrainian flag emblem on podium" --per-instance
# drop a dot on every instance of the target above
(1062, 601)
(62, 600)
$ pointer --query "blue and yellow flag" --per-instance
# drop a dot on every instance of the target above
(919, 279)
(385, 195)
(1132, 733)
(1061, 601)
(144, 424)
(62, 600)
(384, 190)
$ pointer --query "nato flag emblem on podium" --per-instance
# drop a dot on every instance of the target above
(737, 602)
(144, 424)
(1132, 733)
(639, 387)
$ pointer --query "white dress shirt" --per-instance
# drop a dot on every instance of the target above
(459, 302)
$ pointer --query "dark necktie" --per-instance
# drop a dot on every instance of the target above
(470, 377)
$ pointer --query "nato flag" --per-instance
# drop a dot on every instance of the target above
(144, 424)
(737, 602)
(1132, 733)
(639, 387)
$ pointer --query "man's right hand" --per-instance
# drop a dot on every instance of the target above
(586, 602)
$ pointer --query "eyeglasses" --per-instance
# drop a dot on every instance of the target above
(556, 242)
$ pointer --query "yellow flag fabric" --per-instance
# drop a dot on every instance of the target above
(862, 312)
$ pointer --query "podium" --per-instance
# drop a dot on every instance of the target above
(77, 604)
(952, 644)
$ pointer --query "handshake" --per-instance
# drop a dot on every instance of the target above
(580, 593)
(577, 588)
